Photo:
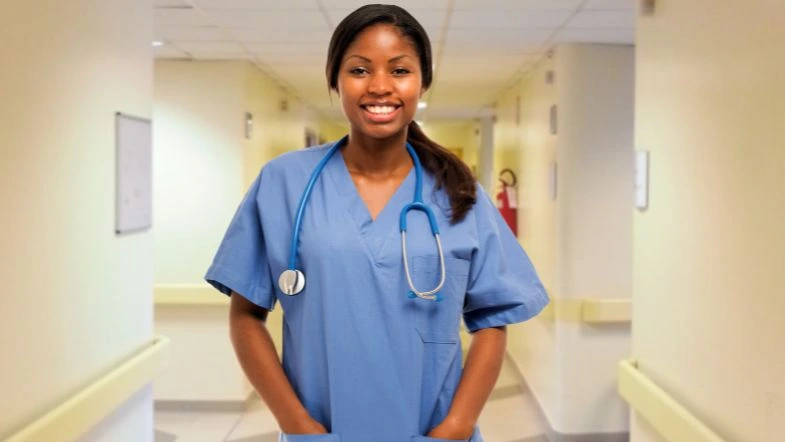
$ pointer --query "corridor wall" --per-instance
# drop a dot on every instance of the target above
(78, 296)
(460, 134)
(709, 315)
(204, 165)
(580, 238)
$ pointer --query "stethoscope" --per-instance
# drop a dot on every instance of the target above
(292, 280)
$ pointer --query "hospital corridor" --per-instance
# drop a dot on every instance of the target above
(621, 264)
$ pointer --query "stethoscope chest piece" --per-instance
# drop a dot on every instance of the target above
(291, 282)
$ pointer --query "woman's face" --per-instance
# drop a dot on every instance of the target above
(380, 82)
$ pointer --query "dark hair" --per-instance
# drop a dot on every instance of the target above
(447, 169)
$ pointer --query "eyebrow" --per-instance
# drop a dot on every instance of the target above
(392, 60)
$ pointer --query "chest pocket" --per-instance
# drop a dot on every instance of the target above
(440, 321)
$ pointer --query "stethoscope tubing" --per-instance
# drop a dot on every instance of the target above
(417, 204)
(298, 220)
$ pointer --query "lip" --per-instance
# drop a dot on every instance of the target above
(381, 118)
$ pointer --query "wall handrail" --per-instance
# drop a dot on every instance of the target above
(194, 295)
(594, 311)
(672, 420)
(80, 412)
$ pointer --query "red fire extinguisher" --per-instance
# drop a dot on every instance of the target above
(507, 199)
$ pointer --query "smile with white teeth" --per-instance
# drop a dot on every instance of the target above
(380, 110)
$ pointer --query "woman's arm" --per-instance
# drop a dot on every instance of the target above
(256, 352)
(483, 364)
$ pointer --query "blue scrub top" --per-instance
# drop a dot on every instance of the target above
(366, 361)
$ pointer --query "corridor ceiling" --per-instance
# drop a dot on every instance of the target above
(481, 47)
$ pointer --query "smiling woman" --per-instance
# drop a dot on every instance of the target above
(366, 355)
(381, 83)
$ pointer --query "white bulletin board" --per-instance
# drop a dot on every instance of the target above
(134, 174)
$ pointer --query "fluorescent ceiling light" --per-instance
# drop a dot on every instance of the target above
(157, 43)
(422, 105)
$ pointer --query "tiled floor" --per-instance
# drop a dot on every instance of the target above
(509, 416)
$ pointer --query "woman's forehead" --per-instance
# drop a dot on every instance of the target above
(379, 39)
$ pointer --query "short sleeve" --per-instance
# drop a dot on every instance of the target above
(241, 263)
(503, 285)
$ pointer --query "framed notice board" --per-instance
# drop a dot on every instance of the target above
(134, 174)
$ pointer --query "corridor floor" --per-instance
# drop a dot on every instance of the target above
(509, 416)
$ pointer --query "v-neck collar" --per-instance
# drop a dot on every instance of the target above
(404, 192)
(374, 232)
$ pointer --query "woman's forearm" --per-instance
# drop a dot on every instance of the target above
(483, 365)
(257, 355)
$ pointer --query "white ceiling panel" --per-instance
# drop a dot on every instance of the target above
(611, 4)
(508, 37)
(179, 17)
(171, 4)
(265, 19)
(225, 47)
(192, 33)
(618, 36)
(486, 46)
(480, 61)
(409, 5)
(429, 18)
(288, 48)
(480, 49)
(458, 73)
(509, 5)
(603, 19)
(509, 19)
(281, 35)
(257, 4)
(297, 60)
(215, 56)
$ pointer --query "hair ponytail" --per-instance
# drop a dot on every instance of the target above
(448, 170)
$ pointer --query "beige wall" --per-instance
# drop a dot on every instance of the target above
(200, 163)
(79, 296)
(507, 144)
(533, 345)
(279, 121)
(595, 96)
(332, 130)
(457, 135)
(204, 164)
(581, 243)
(709, 312)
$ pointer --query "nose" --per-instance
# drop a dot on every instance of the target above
(380, 84)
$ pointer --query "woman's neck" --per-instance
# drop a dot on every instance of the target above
(377, 158)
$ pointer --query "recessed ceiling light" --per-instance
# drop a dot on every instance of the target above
(422, 105)
(157, 43)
